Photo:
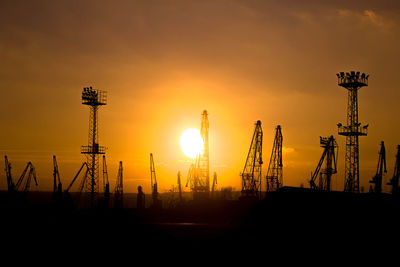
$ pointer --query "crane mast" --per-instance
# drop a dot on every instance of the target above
(274, 176)
(214, 184)
(57, 186)
(329, 156)
(106, 184)
(31, 174)
(251, 175)
(380, 170)
(10, 183)
(180, 187)
(154, 189)
(119, 188)
(394, 182)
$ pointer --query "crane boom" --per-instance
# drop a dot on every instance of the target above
(10, 183)
(57, 186)
(380, 170)
(394, 182)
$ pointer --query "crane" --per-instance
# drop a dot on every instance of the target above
(106, 184)
(154, 192)
(329, 156)
(251, 175)
(31, 174)
(82, 183)
(10, 183)
(380, 170)
(57, 186)
(179, 187)
(394, 182)
(274, 176)
(214, 184)
(118, 191)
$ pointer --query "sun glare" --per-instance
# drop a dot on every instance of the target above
(191, 143)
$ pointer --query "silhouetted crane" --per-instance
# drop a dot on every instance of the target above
(274, 176)
(106, 184)
(154, 190)
(57, 186)
(180, 187)
(329, 144)
(31, 174)
(82, 182)
(214, 184)
(251, 175)
(10, 183)
(119, 188)
(380, 170)
(394, 182)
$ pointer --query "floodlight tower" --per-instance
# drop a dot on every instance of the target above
(94, 99)
(352, 82)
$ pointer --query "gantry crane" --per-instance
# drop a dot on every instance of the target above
(380, 170)
(119, 188)
(10, 182)
(329, 156)
(394, 182)
(154, 190)
(31, 174)
(106, 184)
(251, 175)
(274, 178)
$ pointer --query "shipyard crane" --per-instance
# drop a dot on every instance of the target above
(82, 183)
(380, 170)
(394, 182)
(106, 184)
(274, 178)
(10, 183)
(31, 174)
(154, 191)
(329, 156)
(214, 184)
(57, 186)
(179, 187)
(119, 189)
(251, 175)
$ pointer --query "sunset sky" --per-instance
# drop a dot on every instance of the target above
(164, 62)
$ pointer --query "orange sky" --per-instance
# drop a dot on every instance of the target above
(164, 62)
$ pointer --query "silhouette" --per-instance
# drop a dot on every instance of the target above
(140, 203)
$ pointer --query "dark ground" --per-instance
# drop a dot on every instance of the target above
(291, 219)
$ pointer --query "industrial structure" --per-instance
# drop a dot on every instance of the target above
(10, 182)
(27, 181)
(329, 155)
(94, 99)
(274, 178)
(352, 81)
(394, 182)
(57, 185)
(251, 175)
(214, 185)
(180, 187)
(119, 188)
(380, 170)
(154, 190)
(106, 184)
(199, 172)
(82, 185)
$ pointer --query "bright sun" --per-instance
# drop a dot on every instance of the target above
(191, 143)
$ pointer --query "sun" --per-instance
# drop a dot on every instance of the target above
(191, 143)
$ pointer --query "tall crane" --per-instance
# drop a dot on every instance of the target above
(10, 183)
(154, 190)
(57, 186)
(251, 175)
(180, 187)
(106, 184)
(81, 187)
(119, 188)
(380, 170)
(394, 182)
(214, 184)
(329, 156)
(274, 174)
(31, 174)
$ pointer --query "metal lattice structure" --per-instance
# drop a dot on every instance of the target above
(380, 170)
(119, 189)
(251, 175)
(352, 81)
(274, 174)
(94, 99)
(329, 156)
(394, 182)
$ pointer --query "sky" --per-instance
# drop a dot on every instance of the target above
(163, 62)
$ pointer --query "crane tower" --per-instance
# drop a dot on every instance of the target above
(251, 175)
(274, 174)
(394, 182)
(352, 82)
(94, 99)
(380, 170)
